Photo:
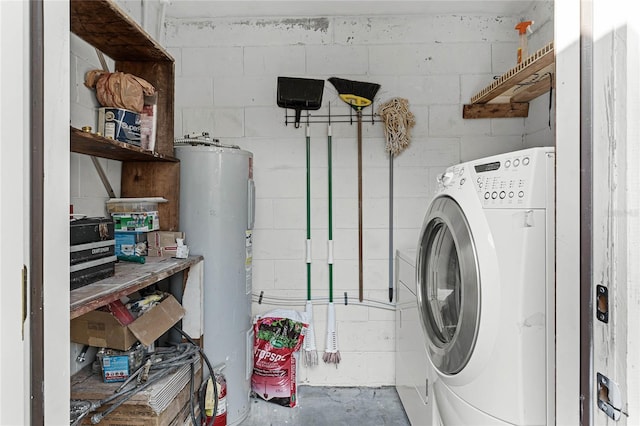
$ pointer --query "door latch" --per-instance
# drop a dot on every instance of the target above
(602, 303)
(609, 397)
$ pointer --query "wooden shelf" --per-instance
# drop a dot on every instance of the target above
(519, 85)
(129, 277)
(105, 26)
(102, 24)
(92, 144)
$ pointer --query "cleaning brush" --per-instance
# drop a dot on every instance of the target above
(331, 353)
(309, 343)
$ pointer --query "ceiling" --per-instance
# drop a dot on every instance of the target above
(315, 8)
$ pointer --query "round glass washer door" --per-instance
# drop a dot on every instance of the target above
(448, 286)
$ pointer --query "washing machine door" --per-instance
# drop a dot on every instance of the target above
(448, 285)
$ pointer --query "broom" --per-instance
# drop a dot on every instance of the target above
(309, 345)
(358, 95)
(331, 353)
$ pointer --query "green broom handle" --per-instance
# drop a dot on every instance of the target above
(330, 214)
(308, 209)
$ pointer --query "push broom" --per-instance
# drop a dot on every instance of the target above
(331, 353)
(358, 95)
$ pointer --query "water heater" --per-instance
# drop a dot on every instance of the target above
(217, 213)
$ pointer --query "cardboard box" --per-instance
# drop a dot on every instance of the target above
(119, 124)
(136, 222)
(102, 329)
(117, 366)
(163, 243)
(126, 243)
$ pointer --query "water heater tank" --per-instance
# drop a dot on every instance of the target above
(216, 214)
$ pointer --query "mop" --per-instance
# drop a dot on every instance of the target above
(309, 344)
(398, 121)
(331, 353)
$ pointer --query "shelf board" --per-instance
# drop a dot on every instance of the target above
(129, 277)
(105, 26)
(528, 80)
(92, 144)
(510, 110)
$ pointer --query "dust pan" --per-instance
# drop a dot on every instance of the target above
(299, 94)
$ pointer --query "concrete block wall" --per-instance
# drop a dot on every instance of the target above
(226, 81)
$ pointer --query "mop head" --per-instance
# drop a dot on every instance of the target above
(331, 353)
(309, 344)
(398, 121)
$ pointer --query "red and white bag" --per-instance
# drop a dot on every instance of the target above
(278, 335)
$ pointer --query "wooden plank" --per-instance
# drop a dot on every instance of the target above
(512, 110)
(129, 277)
(92, 144)
(145, 179)
(104, 25)
(533, 68)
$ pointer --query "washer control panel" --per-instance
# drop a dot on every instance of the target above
(514, 180)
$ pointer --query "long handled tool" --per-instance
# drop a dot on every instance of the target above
(358, 95)
(398, 121)
(309, 345)
(331, 353)
(304, 94)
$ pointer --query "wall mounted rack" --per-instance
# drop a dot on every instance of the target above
(509, 95)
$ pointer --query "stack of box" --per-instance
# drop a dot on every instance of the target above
(133, 219)
(92, 252)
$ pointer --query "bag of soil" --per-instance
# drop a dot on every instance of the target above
(279, 335)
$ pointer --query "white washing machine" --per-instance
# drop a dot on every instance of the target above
(485, 290)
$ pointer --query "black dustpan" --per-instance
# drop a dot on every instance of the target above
(300, 94)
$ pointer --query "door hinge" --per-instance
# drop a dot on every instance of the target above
(609, 397)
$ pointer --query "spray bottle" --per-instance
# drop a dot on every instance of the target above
(523, 27)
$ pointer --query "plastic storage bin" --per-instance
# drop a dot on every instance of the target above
(134, 205)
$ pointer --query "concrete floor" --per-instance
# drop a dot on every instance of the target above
(335, 406)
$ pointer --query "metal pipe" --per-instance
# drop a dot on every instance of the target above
(586, 212)
(36, 218)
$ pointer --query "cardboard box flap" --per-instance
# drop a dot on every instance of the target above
(157, 321)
